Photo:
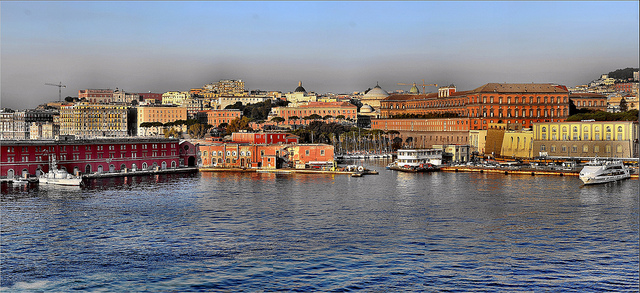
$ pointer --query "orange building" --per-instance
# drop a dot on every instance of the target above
(217, 117)
(323, 109)
(161, 114)
(491, 103)
(245, 155)
(424, 133)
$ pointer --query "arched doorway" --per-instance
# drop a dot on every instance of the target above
(155, 165)
(87, 169)
(173, 164)
(164, 165)
(122, 167)
(134, 167)
(76, 170)
(100, 169)
(144, 166)
(25, 173)
(192, 161)
(10, 174)
(112, 168)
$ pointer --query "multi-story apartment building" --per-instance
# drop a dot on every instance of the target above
(88, 156)
(492, 103)
(175, 98)
(94, 120)
(617, 139)
(224, 101)
(225, 87)
(193, 106)
(120, 96)
(590, 101)
(217, 117)
(46, 130)
(162, 114)
(101, 96)
(16, 124)
(150, 98)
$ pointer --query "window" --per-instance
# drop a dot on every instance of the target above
(322, 152)
(585, 148)
(543, 148)
(306, 152)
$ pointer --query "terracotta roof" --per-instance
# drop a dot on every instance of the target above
(520, 88)
(586, 95)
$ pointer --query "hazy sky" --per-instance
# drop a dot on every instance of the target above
(337, 47)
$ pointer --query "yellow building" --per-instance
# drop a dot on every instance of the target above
(175, 98)
(517, 144)
(94, 120)
(477, 140)
(614, 139)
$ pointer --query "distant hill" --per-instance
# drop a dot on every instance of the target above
(622, 73)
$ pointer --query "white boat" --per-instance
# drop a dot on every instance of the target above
(417, 160)
(600, 171)
(57, 176)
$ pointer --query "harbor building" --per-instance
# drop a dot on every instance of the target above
(88, 156)
(517, 144)
(477, 141)
(264, 137)
(586, 139)
(263, 156)
(424, 133)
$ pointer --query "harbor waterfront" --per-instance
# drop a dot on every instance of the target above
(250, 231)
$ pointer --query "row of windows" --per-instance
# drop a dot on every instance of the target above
(585, 148)
(586, 129)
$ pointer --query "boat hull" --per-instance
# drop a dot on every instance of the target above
(600, 180)
(67, 182)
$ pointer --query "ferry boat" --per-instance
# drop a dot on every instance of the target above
(417, 160)
(57, 176)
(599, 171)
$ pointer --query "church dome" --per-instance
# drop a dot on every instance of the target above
(414, 89)
(300, 89)
(376, 93)
(366, 109)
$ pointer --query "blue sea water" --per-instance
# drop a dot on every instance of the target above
(392, 232)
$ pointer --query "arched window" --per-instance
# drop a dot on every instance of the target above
(144, 165)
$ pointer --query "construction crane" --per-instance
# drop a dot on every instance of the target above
(60, 86)
(423, 85)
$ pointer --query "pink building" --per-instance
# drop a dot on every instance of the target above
(264, 137)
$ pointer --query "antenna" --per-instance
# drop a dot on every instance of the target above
(60, 86)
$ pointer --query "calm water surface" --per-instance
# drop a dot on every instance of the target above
(263, 232)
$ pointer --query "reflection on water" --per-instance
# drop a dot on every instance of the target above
(298, 232)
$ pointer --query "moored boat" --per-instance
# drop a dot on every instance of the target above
(417, 160)
(58, 176)
(600, 171)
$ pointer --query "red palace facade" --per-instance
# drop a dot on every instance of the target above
(21, 157)
(491, 103)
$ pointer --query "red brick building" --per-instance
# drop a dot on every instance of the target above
(490, 103)
(264, 137)
(88, 156)
(100, 96)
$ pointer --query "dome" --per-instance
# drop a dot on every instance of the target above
(414, 89)
(300, 89)
(376, 93)
(366, 109)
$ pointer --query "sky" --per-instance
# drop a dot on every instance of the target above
(337, 47)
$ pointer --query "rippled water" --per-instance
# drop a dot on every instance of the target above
(263, 232)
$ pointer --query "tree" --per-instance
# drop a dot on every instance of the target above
(623, 105)
(313, 117)
(171, 133)
(198, 130)
(277, 119)
(294, 118)
(239, 124)
(327, 117)
(340, 117)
